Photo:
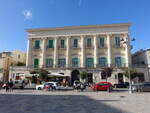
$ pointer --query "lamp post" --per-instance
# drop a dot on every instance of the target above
(130, 81)
(129, 65)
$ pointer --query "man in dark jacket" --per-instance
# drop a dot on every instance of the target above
(11, 85)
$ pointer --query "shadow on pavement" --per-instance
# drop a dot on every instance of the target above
(54, 104)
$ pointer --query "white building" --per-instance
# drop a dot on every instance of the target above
(70, 50)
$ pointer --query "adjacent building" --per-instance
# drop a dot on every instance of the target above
(141, 61)
(71, 50)
(5, 62)
(8, 59)
(18, 57)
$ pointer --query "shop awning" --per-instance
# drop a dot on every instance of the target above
(57, 74)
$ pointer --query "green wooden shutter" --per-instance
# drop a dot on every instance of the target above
(115, 61)
(99, 61)
(36, 63)
(105, 61)
(117, 41)
(75, 42)
(78, 62)
(92, 61)
(101, 42)
(89, 42)
(50, 44)
(73, 61)
(86, 61)
(64, 62)
(62, 43)
(46, 62)
(122, 61)
(37, 44)
(52, 62)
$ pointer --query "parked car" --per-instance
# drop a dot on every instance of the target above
(41, 87)
(17, 84)
(76, 84)
(102, 86)
(141, 87)
(50, 86)
(122, 85)
(87, 84)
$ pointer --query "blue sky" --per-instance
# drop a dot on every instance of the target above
(18, 15)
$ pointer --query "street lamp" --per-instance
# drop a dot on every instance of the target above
(130, 81)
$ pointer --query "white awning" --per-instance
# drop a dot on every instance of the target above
(57, 74)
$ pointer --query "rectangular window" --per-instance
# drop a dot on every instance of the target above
(75, 62)
(101, 42)
(50, 44)
(36, 63)
(61, 62)
(89, 43)
(75, 43)
(117, 41)
(37, 44)
(89, 62)
(62, 43)
(118, 61)
(103, 61)
(49, 62)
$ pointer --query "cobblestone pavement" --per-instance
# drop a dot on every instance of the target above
(32, 101)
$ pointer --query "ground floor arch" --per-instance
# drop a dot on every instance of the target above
(75, 75)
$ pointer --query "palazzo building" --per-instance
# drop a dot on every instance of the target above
(71, 50)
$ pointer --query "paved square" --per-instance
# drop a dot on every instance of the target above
(31, 101)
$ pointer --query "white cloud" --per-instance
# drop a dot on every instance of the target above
(79, 3)
(27, 14)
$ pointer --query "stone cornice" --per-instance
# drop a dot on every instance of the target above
(69, 35)
(78, 27)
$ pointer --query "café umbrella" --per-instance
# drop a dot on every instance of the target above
(57, 75)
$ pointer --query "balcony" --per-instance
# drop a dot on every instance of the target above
(62, 48)
(119, 65)
(37, 48)
(75, 47)
(118, 46)
(101, 65)
(89, 65)
(89, 47)
(102, 47)
(48, 47)
(140, 65)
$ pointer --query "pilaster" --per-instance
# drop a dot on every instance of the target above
(95, 51)
(109, 50)
(82, 51)
(55, 51)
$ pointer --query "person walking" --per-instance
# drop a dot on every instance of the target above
(11, 85)
(82, 87)
(7, 86)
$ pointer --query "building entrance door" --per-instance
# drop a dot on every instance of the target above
(120, 78)
(90, 78)
(74, 76)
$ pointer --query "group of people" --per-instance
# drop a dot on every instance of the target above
(79, 86)
(8, 86)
